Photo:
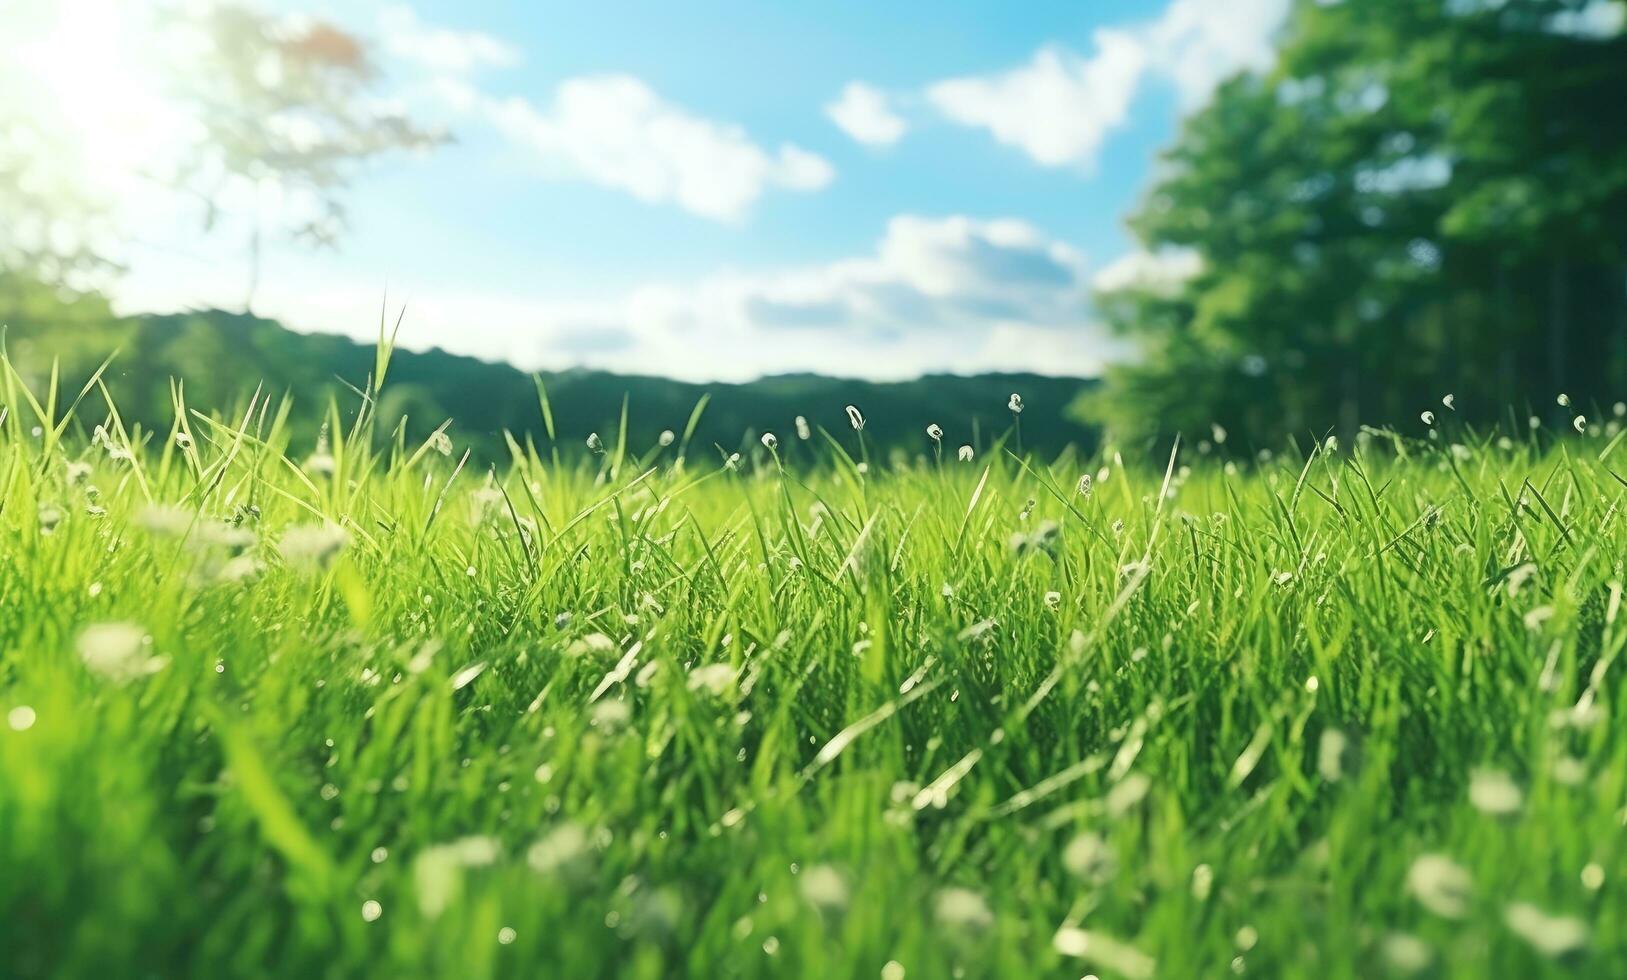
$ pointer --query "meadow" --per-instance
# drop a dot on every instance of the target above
(360, 707)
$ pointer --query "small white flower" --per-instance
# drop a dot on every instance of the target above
(854, 418)
(965, 454)
(1428, 417)
(1447, 400)
(1218, 433)
(1564, 400)
(1579, 423)
(803, 432)
(1620, 408)
(934, 433)
(595, 444)
(1086, 484)
(771, 442)
(733, 462)
(1015, 403)
(441, 443)
(667, 438)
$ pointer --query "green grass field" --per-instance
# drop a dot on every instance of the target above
(359, 712)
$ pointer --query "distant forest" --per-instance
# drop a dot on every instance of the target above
(224, 357)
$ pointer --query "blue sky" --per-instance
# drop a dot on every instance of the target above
(719, 190)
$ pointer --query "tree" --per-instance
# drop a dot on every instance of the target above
(1419, 199)
(285, 105)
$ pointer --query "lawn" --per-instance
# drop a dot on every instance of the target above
(354, 709)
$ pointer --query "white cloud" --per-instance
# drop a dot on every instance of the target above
(438, 49)
(935, 294)
(616, 131)
(1161, 270)
(1197, 44)
(863, 112)
(1057, 108)
(1060, 107)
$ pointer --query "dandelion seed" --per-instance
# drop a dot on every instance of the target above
(21, 718)
(965, 454)
(824, 887)
(595, 444)
(803, 432)
(559, 848)
(667, 438)
(962, 908)
(854, 418)
(1493, 791)
(1440, 885)
(118, 652)
(312, 546)
(1579, 423)
(1330, 755)
(713, 679)
(1129, 792)
(1203, 882)
(1104, 951)
(934, 433)
(1015, 403)
(1086, 485)
(591, 643)
(770, 441)
(1428, 417)
(1551, 935)
(1091, 857)
(1593, 877)
(1406, 953)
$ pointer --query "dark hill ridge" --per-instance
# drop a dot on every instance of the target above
(224, 356)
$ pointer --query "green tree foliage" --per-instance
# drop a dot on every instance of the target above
(1421, 198)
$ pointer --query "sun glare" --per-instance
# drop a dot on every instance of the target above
(89, 79)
